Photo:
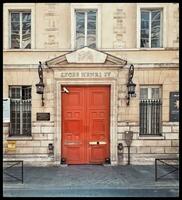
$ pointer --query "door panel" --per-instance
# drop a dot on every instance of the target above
(85, 124)
(98, 127)
(73, 125)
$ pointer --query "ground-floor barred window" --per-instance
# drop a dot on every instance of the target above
(150, 110)
(20, 110)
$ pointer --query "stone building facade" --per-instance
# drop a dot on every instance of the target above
(52, 39)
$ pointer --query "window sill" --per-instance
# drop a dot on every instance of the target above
(151, 49)
(19, 138)
(151, 137)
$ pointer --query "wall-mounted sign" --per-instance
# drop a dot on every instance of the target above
(6, 110)
(91, 74)
(43, 116)
(174, 107)
(11, 146)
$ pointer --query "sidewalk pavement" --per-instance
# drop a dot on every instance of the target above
(93, 180)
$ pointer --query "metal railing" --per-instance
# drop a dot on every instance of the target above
(163, 161)
(13, 163)
(150, 117)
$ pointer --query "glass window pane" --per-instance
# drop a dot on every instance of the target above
(15, 17)
(91, 29)
(15, 26)
(144, 15)
(144, 42)
(155, 34)
(26, 92)
(26, 17)
(26, 36)
(144, 33)
(80, 29)
(26, 30)
(155, 93)
(144, 24)
(143, 93)
(15, 41)
(156, 15)
(15, 93)
(155, 43)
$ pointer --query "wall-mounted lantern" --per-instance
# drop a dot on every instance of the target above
(40, 85)
(130, 85)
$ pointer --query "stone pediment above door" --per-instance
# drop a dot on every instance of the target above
(86, 57)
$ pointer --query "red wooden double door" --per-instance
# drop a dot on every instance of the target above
(85, 124)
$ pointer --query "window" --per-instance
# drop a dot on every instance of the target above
(20, 110)
(151, 29)
(86, 28)
(150, 111)
(20, 30)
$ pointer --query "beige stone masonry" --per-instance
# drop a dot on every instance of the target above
(171, 150)
(45, 143)
(175, 128)
(171, 136)
(166, 129)
(143, 149)
(174, 143)
(157, 150)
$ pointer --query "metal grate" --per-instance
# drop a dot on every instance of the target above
(20, 106)
(150, 117)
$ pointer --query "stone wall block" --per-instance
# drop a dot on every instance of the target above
(171, 136)
(40, 136)
(151, 143)
(175, 128)
(45, 143)
(134, 128)
(143, 149)
(157, 149)
(171, 150)
(47, 129)
(166, 129)
(174, 143)
(122, 129)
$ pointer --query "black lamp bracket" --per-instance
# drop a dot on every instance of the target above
(130, 76)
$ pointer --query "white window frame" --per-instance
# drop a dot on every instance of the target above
(149, 87)
(149, 94)
(85, 24)
(85, 7)
(21, 111)
(19, 7)
(20, 13)
(151, 6)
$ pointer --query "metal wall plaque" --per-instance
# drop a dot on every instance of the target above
(43, 116)
(174, 107)
(11, 146)
(6, 110)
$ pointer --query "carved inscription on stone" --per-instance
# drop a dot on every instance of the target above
(51, 26)
(119, 28)
(86, 74)
(86, 55)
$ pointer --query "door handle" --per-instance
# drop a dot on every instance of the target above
(92, 143)
(71, 142)
(102, 142)
(97, 142)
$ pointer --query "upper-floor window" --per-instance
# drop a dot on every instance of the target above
(20, 30)
(86, 24)
(151, 28)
